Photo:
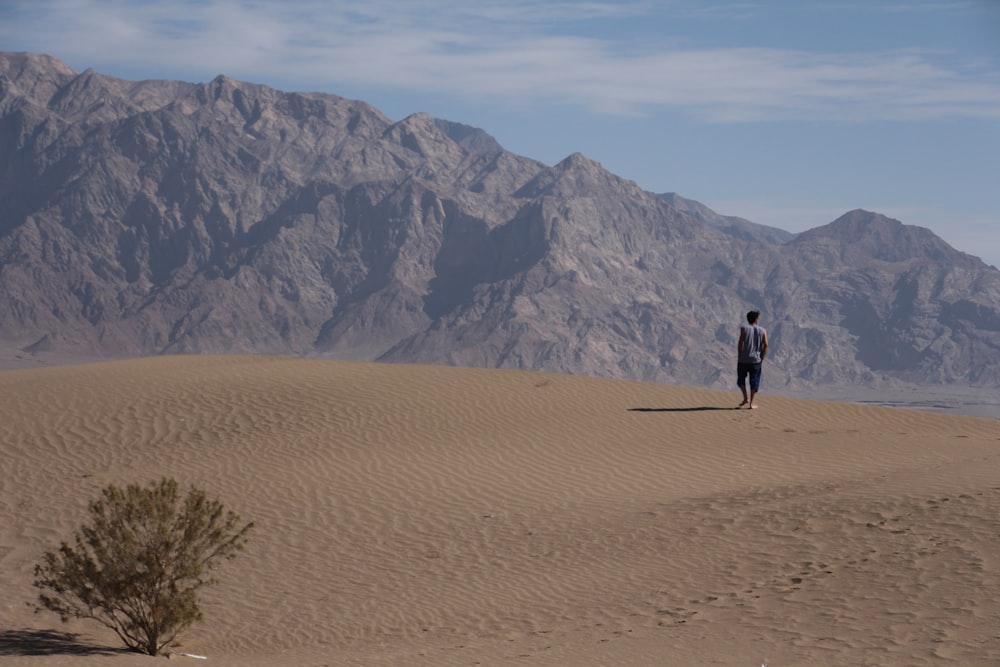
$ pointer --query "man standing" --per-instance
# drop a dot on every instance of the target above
(751, 351)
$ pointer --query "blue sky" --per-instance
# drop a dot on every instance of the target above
(786, 112)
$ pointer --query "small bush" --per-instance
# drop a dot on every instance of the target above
(138, 564)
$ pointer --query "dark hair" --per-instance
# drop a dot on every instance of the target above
(752, 316)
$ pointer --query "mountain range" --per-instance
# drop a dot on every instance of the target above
(160, 217)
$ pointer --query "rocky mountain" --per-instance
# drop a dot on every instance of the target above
(741, 227)
(166, 217)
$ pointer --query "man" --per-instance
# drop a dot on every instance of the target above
(751, 351)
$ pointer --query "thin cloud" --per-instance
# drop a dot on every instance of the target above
(921, 7)
(516, 54)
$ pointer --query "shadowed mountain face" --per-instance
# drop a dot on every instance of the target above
(165, 217)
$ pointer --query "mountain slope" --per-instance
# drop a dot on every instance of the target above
(152, 217)
(729, 224)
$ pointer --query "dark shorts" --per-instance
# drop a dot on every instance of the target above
(752, 370)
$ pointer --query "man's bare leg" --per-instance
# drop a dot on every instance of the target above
(753, 394)
(746, 399)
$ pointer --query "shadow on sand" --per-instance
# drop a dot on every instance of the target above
(698, 409)
(49, 642)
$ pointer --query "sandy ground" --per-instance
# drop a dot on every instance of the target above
(431, 516)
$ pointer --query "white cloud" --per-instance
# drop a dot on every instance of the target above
(509, 52)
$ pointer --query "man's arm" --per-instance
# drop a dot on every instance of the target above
(739, 345)
(763, 347)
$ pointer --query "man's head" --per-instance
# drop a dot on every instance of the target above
(752, 316)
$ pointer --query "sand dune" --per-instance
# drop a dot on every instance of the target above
(415, 515)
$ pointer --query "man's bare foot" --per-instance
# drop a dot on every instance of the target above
(741, 405)
(753, 407)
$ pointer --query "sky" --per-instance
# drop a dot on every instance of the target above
(788, 113)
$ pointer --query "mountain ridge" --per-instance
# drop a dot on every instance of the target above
(168, 217)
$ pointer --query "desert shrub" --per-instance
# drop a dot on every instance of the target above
(139, 562)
